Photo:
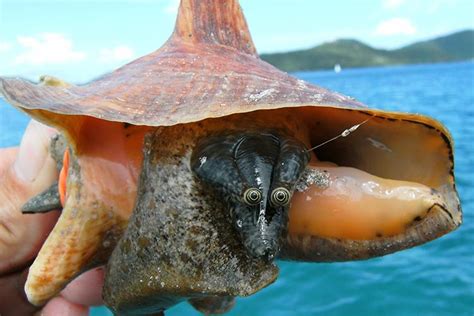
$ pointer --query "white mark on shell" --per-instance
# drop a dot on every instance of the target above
(263, 94)
(378, 144)
(202, 160)
(317, 97)
(301, 84)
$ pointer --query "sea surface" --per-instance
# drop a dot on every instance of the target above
(433, 279)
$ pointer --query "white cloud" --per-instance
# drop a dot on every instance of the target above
(5, 47)
(172, 7)
(395, 26)
(47, 48)
(119, 53)
(393, 4)
(435, 5)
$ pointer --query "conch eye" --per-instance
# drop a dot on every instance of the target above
(280, 196)
(252, 196)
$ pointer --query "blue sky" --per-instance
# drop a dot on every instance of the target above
(80, 40)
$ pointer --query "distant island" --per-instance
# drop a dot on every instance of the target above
(352, 53)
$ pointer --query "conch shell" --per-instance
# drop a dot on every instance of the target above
(208, 77)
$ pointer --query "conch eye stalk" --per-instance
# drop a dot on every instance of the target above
(280, 196)
(252, 196)
(261, 160)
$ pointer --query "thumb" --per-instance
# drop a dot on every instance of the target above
(34, 165)
(32, 171)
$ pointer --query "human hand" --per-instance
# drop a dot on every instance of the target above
(24, 172)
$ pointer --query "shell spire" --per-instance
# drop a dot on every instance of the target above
(213, 22)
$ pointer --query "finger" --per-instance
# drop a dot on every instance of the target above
(7, 157)
(33, 170)
(33, 159)
(60, 306)
(13, 299)
(86, 289)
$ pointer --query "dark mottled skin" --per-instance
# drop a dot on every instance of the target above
(231, 163)
(179, 243)
(213, 304)
(46, 201)
(56, 149)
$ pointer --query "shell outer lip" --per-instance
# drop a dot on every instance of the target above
(300, 247)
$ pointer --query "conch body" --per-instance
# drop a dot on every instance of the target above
(208, 79)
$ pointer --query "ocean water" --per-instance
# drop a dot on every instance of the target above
(433, 279)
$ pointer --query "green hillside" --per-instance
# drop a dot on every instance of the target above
(352, 53)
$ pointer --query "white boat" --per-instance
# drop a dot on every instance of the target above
(337, 68)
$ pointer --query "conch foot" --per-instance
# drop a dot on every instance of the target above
(46, 201)
(213, 304)
(178, 244)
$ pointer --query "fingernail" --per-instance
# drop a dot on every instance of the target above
(33, 151)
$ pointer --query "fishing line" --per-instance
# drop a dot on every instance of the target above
(344, 133)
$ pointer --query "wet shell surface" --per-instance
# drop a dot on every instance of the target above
(131, 134)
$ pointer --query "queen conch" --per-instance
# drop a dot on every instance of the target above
(192, 168)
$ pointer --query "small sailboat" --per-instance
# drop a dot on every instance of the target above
(337, 68)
